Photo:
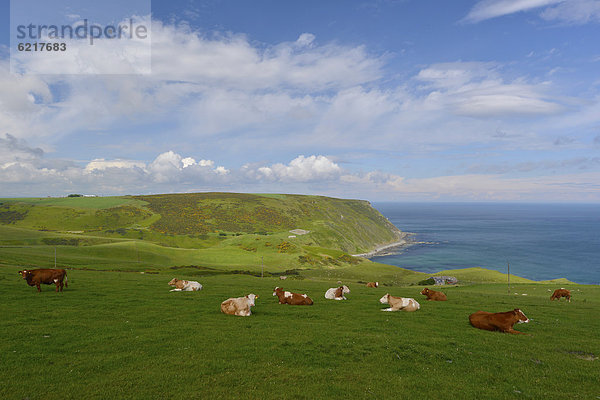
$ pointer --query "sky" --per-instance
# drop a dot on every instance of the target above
(384, 100)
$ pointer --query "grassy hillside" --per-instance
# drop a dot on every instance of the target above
(124, 335)
(226, 231)
(118, 333)
(206, 234)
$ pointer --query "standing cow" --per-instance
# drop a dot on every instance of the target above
(47, 276)
(562, 292)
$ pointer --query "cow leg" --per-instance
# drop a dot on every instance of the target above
(511, 330)
(39, 289)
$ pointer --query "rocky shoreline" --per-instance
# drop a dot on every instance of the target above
(404, 240)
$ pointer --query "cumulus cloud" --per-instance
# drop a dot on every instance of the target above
(34, 175)
(317, 174)
(301, 169)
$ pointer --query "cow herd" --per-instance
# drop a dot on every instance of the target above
(240, 306)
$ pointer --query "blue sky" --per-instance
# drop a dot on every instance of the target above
(385, 100)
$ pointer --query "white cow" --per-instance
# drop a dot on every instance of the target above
(184, 286)
(399, 303)
(239, 306)
(337, 293)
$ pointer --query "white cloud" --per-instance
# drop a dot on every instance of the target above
(301, 169)
(477, 89)
(231, 61)
(571, 12)
(578, 187)
(313, 174)
(101, 164)
(487, 9)
(575, 12)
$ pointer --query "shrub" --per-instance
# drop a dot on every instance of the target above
(426, 282)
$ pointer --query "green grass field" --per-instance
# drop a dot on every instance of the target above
(117, 331)
(124, 335)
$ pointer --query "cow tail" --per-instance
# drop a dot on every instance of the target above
(66, 280)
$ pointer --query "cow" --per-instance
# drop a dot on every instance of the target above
(337, 293)
(434, 295)
(373, 284)
(562, 292)
(294, 299)
(282, 277)
(502, 321)
(184, 286)
(399, 303)
(239, 306)
(47, 276)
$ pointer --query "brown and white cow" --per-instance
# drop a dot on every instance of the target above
(373, 284)
(434, 295)
(294, 299)
(47, 276)
(337, 293)
(399, 303)
(239, 306)
(184, 286)
(502, 321)
(562, 292)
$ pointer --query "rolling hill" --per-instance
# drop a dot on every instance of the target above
(222, 232)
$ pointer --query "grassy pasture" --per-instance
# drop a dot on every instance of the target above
(124, 335)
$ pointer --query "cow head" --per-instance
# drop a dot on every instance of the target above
(345, 289)
(376, 284)
(24, 273)
(425, 291)
(277, 289)
(251, 298)
(522, 317)
(384, 299)
(173, 282)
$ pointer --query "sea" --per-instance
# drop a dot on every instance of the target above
(539, 241)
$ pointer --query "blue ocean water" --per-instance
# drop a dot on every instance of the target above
(541, 241)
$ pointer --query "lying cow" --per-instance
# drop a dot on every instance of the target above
(562, 292)
(294, 299)
(373, 284)
(399, 303)
(184, 286)
(434, 295)
(47, 276)
(239, 306)
(337, 293)
(502, 321)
